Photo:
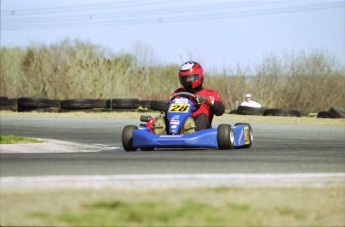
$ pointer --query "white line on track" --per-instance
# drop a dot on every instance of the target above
(151, 181)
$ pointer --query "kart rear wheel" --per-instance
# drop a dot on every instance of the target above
(127, 137)
(248, 134)
(225, 137)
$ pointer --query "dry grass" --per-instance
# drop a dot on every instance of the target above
(216, 206)
(310, 82)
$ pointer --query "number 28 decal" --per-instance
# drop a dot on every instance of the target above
(179, 108)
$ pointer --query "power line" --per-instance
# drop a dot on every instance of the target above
(147, 17)
(74, 8)
(144, 12)
(125, 10)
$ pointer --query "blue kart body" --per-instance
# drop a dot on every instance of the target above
(179, 110)
(206, 138)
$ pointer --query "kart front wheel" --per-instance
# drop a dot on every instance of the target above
(225, 137)
(127, 137)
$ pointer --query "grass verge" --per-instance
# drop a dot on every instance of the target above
(174, 207)
(12, 139)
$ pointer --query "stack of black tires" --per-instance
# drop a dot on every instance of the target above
(25, 104)
(246, 110)
(7, 104)
(334, 112)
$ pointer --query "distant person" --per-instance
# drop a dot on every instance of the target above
(248, 102)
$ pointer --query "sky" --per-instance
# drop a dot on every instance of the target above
(219, 34)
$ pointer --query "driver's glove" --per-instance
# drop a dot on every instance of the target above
(208, 100)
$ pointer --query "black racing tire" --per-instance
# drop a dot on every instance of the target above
(336, 112)
(160, 105)
(29, 104)
(77, 104)
(250, 134)
(247, 110)
(56, 103)
(323, 114)
(47, 110)
(122, 103)
(225, 137)
(9, 108)
(8, 104)
(282, 112)
(127, 137)
(13, 102)
(99, 103)
(4, 101)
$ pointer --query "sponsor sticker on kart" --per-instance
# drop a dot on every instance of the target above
(247, 135)
(179, 108)
(175, 117)
(174, 122)
(181, 101)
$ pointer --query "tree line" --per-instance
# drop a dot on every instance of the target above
(76, 69)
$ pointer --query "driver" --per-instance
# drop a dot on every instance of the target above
(209, 103)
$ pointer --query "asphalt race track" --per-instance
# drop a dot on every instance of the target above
(276, 149)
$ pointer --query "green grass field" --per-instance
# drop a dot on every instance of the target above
(13, 139)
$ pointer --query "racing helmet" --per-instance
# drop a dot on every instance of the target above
(191, 76)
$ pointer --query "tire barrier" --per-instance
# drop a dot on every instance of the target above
(337, 112)
(122, 104)
(160, 105)
(3, 100)
(333, 112)
(7, 104)
(99, 103)
(323, 114)
(29, 104)
(77, 104)
(25, 104)
(282, 112)
(55, 104)
(246, 110)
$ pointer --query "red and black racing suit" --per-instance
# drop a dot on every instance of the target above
(203, 113)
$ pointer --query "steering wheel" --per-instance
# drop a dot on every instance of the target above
(183, 94)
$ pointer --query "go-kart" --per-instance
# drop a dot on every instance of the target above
(182, 132)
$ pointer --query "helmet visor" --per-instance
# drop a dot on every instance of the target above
(184, 80)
